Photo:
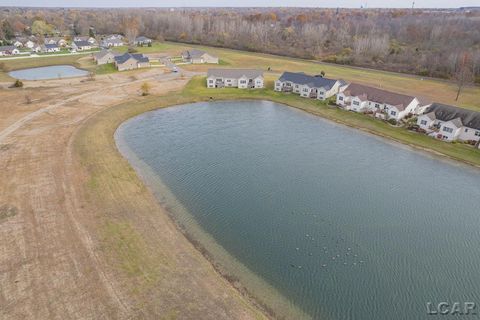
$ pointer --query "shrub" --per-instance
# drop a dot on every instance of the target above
(392, 121)
(145, 89)
(18, 84)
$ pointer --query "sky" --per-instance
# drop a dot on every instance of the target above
(243, 3)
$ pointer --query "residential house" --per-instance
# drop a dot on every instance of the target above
(384, 104)
(140, 41)
(104, 57)
(30, 44)
(56, 40)
(308, 86)
(88, 39)
(18, 42)
(36, 48)
(81, 45)
(8, 50)
(50, 48)
(238, 78)
(129, 61)
(450, 123)
(198, 56)
(109, 43)
(113, 36)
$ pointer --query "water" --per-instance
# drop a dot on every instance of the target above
(343, 224)
(45, 73)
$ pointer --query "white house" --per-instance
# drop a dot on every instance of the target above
(8, 50)
(140, 41)
(308, 86)
(88, 39)
(50, 48)
(384, 104)
(81, 45)
(237, 78)
(30, 44)
(450, 123)
(112, 42)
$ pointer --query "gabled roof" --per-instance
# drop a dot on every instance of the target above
(467, 118)
(103, 53)
(401, 101)
(142, 38)
(235, 73)
(305, 79)
(82, 43)
(126, 56)
(50, 46)
(7, 48)
(194, 53)
(113, 40)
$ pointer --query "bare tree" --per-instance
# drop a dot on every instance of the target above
(464, 72)
(130, 26)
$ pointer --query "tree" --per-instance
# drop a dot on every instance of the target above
(145, 89)
(130, 26)
(40, 27)
(7, 30)
(464, 72)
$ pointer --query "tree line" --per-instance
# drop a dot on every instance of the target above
(436, 43)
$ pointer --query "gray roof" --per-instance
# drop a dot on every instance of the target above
(467, 118)
(235, 73)
(7, 48)
(103, 53)
(124, 57)
(305, 79)
(50, 46)
(401, 101)
(142, 39)
(194, 53)
(82, 43)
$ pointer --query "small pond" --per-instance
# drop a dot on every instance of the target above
(50, 72)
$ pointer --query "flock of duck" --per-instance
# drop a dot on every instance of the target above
(334, 250)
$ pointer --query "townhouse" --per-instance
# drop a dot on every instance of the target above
(308, 86)
(382, 103)
(236, 78)
(198, 56)
(450, 123)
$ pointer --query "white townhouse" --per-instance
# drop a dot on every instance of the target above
(237, 78)
(384, 104)
(308, 86)
(450, 123)
(8, 50)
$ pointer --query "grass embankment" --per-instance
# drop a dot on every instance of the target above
(163, 273)
(128, 214)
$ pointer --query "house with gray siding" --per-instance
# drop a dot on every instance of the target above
(105, 56)
(308, 86)
(450, 123)
(235, 78)
(198, 56)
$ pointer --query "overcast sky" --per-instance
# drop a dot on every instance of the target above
(243, 3)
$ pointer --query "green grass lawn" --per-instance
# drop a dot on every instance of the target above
(196, 90)
(106, 68)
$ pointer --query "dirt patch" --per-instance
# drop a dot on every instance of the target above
(7, 211)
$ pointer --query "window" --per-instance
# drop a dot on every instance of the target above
(466, 130)
(447, 129)
(340, 98)
(305, 89)
(356, 103)
(423, 122)
(243, 81)
(393, 113)
(377, 105)
(210, 81)
(321, 93)
(477, 133)
(228, 80)
(296, 86)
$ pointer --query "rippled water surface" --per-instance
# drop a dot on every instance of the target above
(50, 72)
(342, 224)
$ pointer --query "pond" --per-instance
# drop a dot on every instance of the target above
(50, 72)
(311, 216)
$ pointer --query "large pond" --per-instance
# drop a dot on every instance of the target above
(311, 216)
(50, 72)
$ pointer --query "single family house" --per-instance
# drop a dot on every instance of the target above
(198, 56)
(50, 48)
(8, 50)
(308, 86)
(129, 61)
(384, 104)
(237, 78)
(114, 42)
(140, 41)
(450, 123)
(81, 45)
(88, 39)
(104, 57)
